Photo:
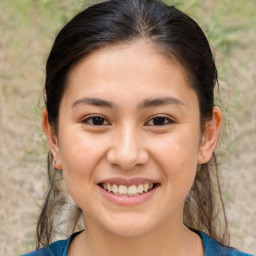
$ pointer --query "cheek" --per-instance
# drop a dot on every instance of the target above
(80, 156)
(177, 157)
(179, 148)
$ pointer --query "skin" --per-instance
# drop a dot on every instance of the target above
(128, 144)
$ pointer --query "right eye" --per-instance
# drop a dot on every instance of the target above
(159, 121)
(96, 120)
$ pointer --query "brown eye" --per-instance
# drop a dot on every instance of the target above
(96, 120)
(159, 121)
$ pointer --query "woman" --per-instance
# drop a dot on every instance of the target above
(132, 126)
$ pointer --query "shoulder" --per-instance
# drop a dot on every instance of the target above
(58, 248)
(213, 247)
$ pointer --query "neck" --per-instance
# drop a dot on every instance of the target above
(177, 240)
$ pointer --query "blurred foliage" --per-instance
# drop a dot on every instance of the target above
(29, 13)
(227, 23)
(221, 19)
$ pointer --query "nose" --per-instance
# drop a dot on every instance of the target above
(127, 149)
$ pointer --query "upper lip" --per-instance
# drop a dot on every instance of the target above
(128, 181)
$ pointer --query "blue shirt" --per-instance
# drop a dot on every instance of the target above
(211, 248)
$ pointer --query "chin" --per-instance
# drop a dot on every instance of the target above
(129, 227)
(129, 231)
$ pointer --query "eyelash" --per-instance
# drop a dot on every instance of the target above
(167, 120)
(89, 120)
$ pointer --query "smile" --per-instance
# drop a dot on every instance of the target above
(127, 191)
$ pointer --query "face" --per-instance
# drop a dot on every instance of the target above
(129, 139)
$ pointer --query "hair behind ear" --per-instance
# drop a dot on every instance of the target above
(204, 207)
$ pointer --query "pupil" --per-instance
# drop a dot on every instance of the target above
(98, 121)
(158, 121)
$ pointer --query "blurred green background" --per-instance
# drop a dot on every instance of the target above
(27, 30)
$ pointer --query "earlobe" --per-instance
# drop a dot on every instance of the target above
(210, 136)
(52, 139)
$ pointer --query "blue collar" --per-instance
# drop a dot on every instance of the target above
(211, 247)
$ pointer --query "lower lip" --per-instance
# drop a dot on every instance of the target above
(128, 200)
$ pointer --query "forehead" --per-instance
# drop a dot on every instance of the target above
(135, 68)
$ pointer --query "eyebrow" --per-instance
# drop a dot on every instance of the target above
(146, 103)
(94, 101)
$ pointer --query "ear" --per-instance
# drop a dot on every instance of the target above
(52, 140)
(210, 136)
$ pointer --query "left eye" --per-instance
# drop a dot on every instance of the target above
(159, 121)
(96, 120)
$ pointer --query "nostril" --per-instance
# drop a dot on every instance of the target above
(127, 160)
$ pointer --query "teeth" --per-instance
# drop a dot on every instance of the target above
(109, 187)
(115, 189)
(146, 187)
(140, 188)
(132, 190)
(123, 190)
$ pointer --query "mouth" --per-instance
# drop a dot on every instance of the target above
(128, 191)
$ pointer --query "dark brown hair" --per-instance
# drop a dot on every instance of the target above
(177, 36)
